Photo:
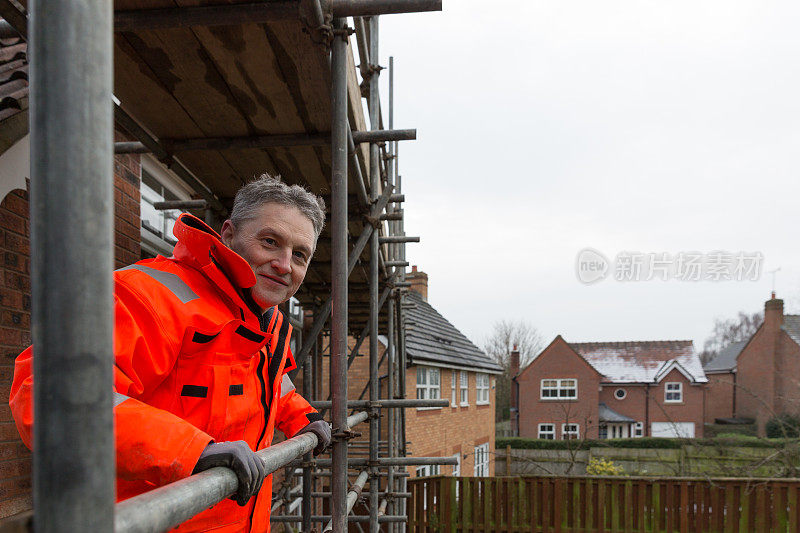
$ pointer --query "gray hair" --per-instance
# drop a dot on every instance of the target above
(267, 189)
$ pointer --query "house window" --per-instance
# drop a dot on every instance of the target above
(453, 388)
(482, 460)
(547, 431)
(620, 394)
(427, 384)
(482, 389)
(457, 466)
(603, 432)
(559, 389)
(638, 429)
(157, 222)
(570, 431)
(427, 470)
(673, 392)
(464, 388)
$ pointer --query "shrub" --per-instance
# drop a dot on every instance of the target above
(783, 426)
(603, 467)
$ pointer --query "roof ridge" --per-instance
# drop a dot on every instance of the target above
(629, 343)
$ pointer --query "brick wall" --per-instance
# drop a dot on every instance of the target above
(690, 409)
(452, 430)
(720, 392)
(558, 361)
(430, 432)
(15, 311)
(756, 376)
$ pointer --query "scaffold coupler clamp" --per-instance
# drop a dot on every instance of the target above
(344, 434)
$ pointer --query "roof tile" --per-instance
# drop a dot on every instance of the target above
(431, 337)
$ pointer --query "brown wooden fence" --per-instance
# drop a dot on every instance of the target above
(603, 504)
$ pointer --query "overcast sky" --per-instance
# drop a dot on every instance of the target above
(546, 127)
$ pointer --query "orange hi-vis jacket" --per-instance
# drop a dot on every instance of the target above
(195, 362)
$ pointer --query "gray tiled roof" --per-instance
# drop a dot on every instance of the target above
(725, 359)
(609, 415)
(431, 338)
(791, 325)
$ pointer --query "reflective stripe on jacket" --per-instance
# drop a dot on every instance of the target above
(193, 363)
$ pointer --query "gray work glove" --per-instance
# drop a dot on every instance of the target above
(237, 456)
(322, 430)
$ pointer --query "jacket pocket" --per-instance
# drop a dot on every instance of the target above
(214, 378)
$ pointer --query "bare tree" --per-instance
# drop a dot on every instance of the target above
(506, 334)
(727, 331)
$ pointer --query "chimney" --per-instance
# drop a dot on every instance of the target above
(773, 312)
(514, 391)
(419, 282)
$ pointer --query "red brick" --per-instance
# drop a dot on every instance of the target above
(8, 431)
(17, 243)
(17, 281)
(10, 298)
(16, 505)
(16, 204)
(15, 319)
(10, 221)
(15, 487)
(10, 337)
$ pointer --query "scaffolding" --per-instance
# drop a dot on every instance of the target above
(71, 83)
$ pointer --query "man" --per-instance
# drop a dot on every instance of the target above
(202, 353)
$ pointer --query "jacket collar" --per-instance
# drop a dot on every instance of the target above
(201, 245)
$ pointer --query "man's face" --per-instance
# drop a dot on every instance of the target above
(278, 243)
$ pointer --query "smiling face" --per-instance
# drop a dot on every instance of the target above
(278, 244)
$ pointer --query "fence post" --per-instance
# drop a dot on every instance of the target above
(508, 459)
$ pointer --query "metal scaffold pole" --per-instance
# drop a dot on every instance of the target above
(71, 133)
(375, 176)
(339, 271)
(390, 359)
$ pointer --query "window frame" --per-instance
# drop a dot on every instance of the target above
(667, 392)
(481, 462)
(463, 389)
(457, 466)
(540, 433)
(573, 433)
(453, 389)
(558, 386)
(618, 397)
(638, 430)
(481, 390)
(429, 390)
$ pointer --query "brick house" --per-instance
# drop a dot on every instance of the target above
(15, 282)
(612, 390)
(758, 378)
(444, 363)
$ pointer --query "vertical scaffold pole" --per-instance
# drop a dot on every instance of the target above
(338, 373)
(71, 207)
(308, 392)
(390, 415)
(375, 177)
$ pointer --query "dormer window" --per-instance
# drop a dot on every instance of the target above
(673, 392)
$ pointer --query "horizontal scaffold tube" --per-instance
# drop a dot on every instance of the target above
(363, 404)
(394, 461)
(263, 141)
(383, 494)
(180, 204)
(398, 239)
(164, 508)
(258, 12)
(326, 518)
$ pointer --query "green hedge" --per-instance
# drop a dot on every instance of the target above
(644, 442)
